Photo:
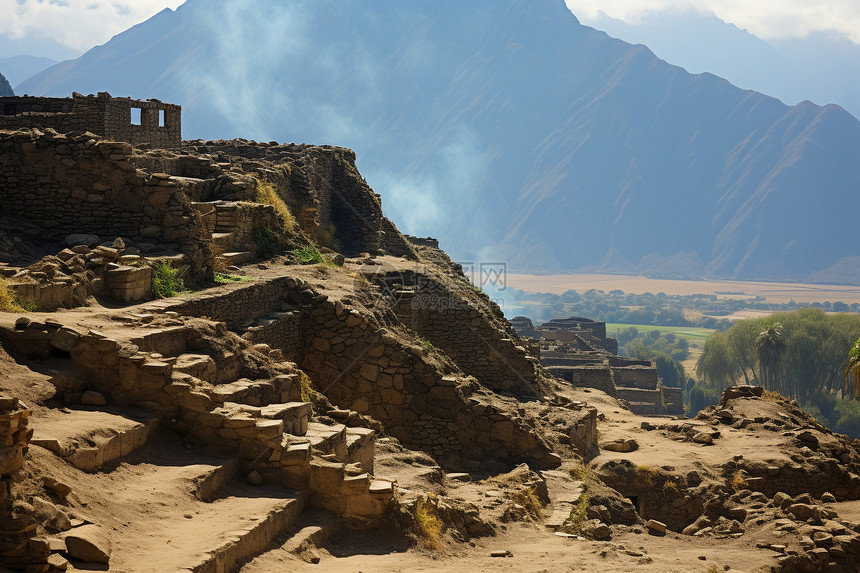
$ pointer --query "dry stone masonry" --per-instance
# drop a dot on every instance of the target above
(122, 119)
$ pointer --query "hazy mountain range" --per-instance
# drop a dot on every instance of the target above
(510, 131)
(19, 68)
(822, 67)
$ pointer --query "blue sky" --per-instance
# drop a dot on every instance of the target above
(67, 28)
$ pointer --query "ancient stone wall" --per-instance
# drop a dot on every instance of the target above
(597, 376)
(360, 364)
(152, 122)
(644, 377)
(80, 184)
(16, 550)
(394, 243)
(472, 332)
(369, 369)
(324, 190)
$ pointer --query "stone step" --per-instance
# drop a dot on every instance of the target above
(223, 523)
(88, 439)
(361, 447)
(328, 440)
(294, 415)
(249, 539)
(560, 513)
(208, 485)
(238, 258)
(313, 528)
(284, 388)
(222, 241)
(200, 366)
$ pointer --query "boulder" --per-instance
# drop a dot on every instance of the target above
(621, 445)
(89, 543)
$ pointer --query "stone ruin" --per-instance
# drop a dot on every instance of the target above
(578, 351)
(139, 122)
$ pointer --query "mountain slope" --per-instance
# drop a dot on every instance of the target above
(820, 67)
(5, 88)
(19, 68)
(508, 130)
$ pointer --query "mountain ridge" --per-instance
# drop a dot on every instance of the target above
(511, 132)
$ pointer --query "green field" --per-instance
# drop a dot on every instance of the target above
(695, 336)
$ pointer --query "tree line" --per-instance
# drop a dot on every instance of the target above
(802, 354)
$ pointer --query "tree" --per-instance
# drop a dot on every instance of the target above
(852, 371)
(769, 346)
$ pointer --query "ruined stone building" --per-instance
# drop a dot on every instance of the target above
(578, 351)
(121, 119)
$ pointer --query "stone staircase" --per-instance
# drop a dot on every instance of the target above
(266, 435)
(223, 522)
(221, 221)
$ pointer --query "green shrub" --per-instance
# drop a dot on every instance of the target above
(308, 256)
(266, 242)
(166, 280)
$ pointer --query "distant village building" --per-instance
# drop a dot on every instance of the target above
(578, 351)
(121, 119)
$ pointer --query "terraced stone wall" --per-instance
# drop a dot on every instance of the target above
(81, 184)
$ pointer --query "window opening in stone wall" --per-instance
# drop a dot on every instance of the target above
(161, 118)
(135, 115)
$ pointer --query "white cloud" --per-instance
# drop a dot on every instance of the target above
(768, 19)
(78, 24)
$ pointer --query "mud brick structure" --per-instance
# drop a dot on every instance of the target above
(121, 119)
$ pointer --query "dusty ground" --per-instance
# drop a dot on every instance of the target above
(534, 550)
(773, 292)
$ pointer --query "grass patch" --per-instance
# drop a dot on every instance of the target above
(311, 256)
(9, 301)
(167, 281)
(582, 473)
(268, 195)
(224, 278)
(427, 526)
(646, 477)
(427, 345)
(308, 392)
(308, 256)
(527, 497)
(739, 483)
(670, 488)
(266, 242)
(578, 514)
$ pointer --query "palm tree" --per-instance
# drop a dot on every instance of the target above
(769, 346)
(852, 371)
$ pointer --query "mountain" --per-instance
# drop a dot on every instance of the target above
(19, 68)
(821, 67)
(508, 130)
(5, 88)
